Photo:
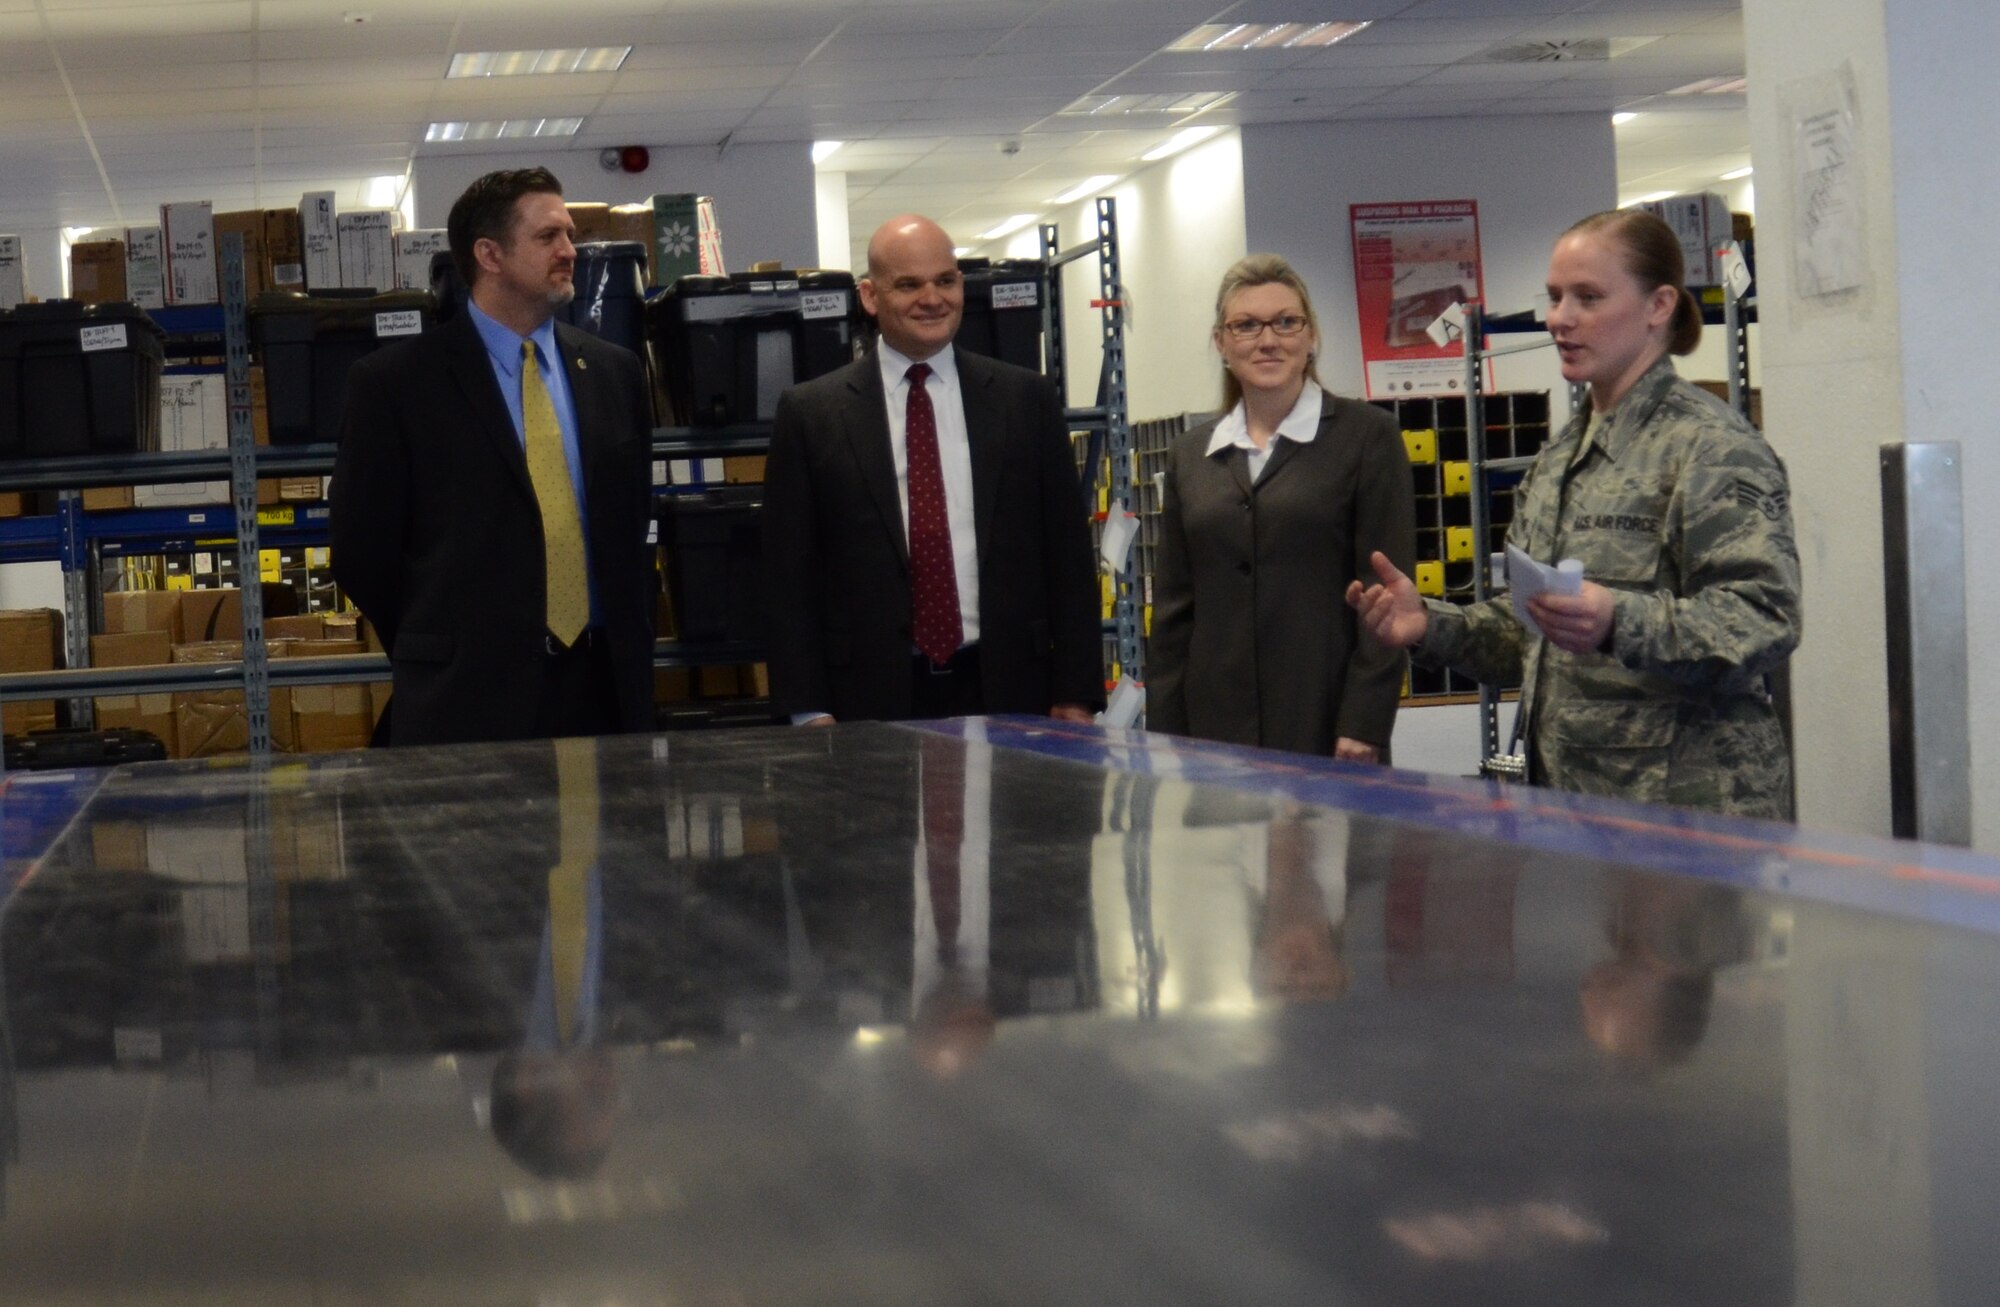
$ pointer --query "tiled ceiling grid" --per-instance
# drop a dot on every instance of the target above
(115, 106)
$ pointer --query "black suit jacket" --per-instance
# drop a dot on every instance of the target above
(1252, 639)
(437, 537)
(837, 582)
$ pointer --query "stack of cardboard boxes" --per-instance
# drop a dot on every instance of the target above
(31, 640)
(149, 628)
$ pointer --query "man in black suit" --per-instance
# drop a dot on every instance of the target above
(492, 492)
(925, 547)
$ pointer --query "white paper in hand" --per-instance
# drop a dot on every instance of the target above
(1527, 578)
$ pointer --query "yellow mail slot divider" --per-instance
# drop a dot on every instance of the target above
(1430, 579)
(1457, 478)
(1457, 543)
(1422, 445)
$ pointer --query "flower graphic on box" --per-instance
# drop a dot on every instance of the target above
(676, 239)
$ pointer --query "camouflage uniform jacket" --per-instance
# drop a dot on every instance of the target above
(1680, 508)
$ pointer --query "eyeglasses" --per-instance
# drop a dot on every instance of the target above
(1287, 324)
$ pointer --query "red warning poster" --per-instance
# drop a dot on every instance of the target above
(1411, 263)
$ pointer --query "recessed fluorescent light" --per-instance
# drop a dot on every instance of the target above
(1085, 187)
(504, 129)
(1263, 36)
(960, 251)
(824, 150)
(1739, 174)
(1713, 86)
(1009, 227)
(520, 63)
(1620, 119)
(1173, 104)
(381, 192)
(1179, 141)
(1649, 199)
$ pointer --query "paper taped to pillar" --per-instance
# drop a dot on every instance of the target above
(1412, 262)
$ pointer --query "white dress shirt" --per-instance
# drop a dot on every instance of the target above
(1300, 425)
(954, 458)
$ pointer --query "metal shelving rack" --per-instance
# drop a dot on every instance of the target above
(1110, 450)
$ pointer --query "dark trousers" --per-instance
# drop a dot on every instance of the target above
(950, 690)
(578, 696)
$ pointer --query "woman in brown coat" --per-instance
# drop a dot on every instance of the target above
(1269, 511)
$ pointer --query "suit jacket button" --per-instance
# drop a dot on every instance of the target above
(1246, 505)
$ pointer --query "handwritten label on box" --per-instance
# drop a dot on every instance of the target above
(109, 336)
(404, 322)
(823, 304)
(1016, 295)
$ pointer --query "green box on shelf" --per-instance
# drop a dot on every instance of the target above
(685, 238)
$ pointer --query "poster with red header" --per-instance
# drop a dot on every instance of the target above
(1411, 263)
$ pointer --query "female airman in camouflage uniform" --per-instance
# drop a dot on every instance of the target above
(1649, 684)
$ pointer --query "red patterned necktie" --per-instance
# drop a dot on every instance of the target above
(936, 626)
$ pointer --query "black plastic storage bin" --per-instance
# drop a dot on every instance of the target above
(729, 346)
(611, 293)
(79, 378)
(1003, 310)
(308, 342)
(447, 287)
(714, 563)
(59, 750)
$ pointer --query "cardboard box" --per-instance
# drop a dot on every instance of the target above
(1703, 223)
(31, 640)
(143, 610)
(284, 252)
(97, 499)
(743, 469)
(187, 233)
(217, 614)
(414, 250)
(319, 241)
(145, 267)
(301, 490)
(12, 503)
(325, 718)
(210, 722)
(13, 277)
(194, 414)
(591, 222)
(97, 271)
(140, 712)
(367, 244)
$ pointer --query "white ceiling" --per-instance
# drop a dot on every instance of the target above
(112, 107)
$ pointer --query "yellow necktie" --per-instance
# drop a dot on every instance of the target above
(569, 879)
(555, 494)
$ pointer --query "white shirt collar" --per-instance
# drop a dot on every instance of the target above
(896, 365)
(1300, 425)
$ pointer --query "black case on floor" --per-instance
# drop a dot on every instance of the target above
(56, 750)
